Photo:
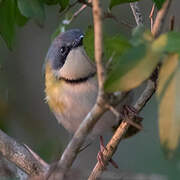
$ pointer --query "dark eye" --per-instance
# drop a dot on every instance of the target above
(63, 49)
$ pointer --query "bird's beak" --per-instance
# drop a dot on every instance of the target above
(77, 42)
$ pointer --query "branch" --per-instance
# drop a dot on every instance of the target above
(98, 40)
(137, 13)
(68, 8)
(80, 10)
(9, 170)
(160, 18)
(115, 140)
(151, 15)
(72, 150)
(143, 99)
(21, 156)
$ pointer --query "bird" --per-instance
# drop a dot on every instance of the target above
(71, 85)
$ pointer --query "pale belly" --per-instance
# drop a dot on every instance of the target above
(73, 102)
(77, 100)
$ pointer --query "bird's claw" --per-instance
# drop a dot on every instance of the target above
(128, 113)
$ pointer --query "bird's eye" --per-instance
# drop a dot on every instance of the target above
(63, 49)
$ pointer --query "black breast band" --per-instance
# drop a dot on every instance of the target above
(79, 80)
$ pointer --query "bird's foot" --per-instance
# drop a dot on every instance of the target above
(128, 113)
(100, 156)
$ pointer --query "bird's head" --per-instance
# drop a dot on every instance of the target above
(67, 58)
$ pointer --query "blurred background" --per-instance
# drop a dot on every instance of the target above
(25, 116)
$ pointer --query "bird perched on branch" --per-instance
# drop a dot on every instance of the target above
(71, 84)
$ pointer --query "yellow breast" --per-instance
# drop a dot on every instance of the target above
(53, 91)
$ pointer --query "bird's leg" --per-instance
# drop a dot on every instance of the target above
(100, 156)
(128, 113)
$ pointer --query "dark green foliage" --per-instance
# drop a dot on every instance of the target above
(7, 21)
(159, 3)
(32, 9)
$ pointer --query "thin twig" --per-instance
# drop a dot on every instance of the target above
(137, 13)
(68, 8)
(160, 18)
(107, 66)
(151, 16)
(114, 111)
(21, 156)
(98, 41)
(80, 10)
(115, 140)
(37, 157)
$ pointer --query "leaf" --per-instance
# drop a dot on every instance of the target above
(32, 9)
(63, 4)
(169, 104)
(118, 2)
(88, 42)
(168, 42)
(140, 35)
(113, 45)
(20, 19)
(7, 21)
(159, 3)
(132, 68)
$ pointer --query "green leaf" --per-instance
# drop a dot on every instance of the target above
(32, 9)
(63, 4)
(118, 2)
(169, 42)
(169, 103)
(140, 35)
(7, 21)
(20, 19)
(113, 45)
(132, 68)
(159, 3)
(88, 42)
